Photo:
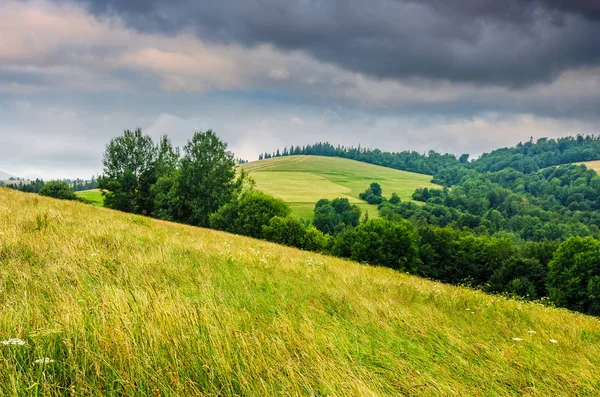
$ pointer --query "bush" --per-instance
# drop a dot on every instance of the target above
(287, 231)
(58, 189)
(249, 213)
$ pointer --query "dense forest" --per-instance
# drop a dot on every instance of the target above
(515, 221)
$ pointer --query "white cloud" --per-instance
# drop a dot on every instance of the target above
(279, 74)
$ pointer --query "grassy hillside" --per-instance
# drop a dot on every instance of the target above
(129, 305)
(303, 180)
(93, 195)
(593, 165)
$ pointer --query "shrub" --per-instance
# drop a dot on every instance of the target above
(58, 189)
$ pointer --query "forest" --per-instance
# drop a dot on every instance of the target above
(519, 221)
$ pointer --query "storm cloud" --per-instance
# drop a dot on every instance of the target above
(512, 43)
(450, 75)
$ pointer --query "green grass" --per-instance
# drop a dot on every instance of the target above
(303, 180)
(94, 196)
(127, 305)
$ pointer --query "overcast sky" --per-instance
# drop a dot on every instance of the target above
(459, 76)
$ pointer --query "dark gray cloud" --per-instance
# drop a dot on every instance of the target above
(510, 43)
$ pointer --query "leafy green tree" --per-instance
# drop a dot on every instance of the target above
(285, 230)
(380, 242)
(58, 189)
(373, 195)
(129, 172)
(207, 178)
(249, 214)
(332, 216)
(574, 275)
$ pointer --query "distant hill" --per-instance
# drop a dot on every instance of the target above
(592, 165)
(4, 175)
(303, 180)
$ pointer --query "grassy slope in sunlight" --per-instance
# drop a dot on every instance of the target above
(304, 180)
(127, 305)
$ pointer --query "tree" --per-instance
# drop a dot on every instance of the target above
(285, 230)
(207, 178)
(332, 216)
(373, 194)
(249, 214)
(574, 275)
(129, 172)
(58, 189)
(380, 242)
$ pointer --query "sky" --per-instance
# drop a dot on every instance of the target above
(457, 76)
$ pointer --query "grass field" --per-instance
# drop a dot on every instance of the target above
(125, 305)
(593, 165)
(303, 180)
(93, 195)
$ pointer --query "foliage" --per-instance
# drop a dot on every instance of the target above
(333, 216)
(373, 194)
(129, 171)
(380, 242)
(248, 214)
(58, 189)
(574, 275)
(207, 179)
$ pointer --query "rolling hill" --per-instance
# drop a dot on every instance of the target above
(99, 302)
(94, 196)
(303, 180)
(593, 165)
(4, 175)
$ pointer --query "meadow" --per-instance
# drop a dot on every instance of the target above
(303, 180)
(592, 165)
(98, 302)
(94, 196)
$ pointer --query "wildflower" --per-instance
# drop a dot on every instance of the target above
(553, 341)
(531, 332)
(517, 339)
(13, 341)
(94, 254)
(44, 360)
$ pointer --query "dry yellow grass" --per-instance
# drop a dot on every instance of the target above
(126, 305)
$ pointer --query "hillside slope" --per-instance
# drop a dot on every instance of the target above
(592, 165)
(133, 306)
(303, 180)
(4, 175)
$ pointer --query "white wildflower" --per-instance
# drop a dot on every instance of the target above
(13, 341)
(531, 332)
(553, 341)
(517, 339)
(44, 360)
(94, 254)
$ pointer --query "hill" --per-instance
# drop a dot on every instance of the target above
(593, 165)
(303, 180)
(4, 175)
(120, 304)
(94, 196)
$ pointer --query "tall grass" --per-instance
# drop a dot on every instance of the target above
(126, 305)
